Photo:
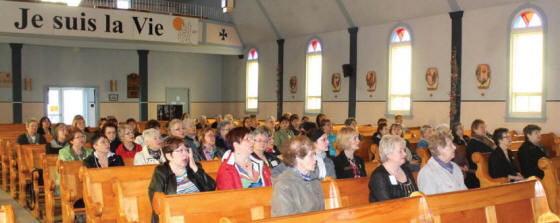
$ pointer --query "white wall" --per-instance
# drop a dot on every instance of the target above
(5, 66)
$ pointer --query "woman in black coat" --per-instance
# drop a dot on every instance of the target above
(102, 157)
(180, 174)
(479, 143)
(501, 163)
(346, 164)
(531, 151)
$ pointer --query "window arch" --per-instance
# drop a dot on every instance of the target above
(526, 65)
(313, 76)
(400, 63)
(252, 81)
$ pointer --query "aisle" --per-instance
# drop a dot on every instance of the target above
(22, 214)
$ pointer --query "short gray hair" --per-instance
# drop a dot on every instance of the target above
(223, 124)
(174, 122)
(122, 128)
(148, 134)
(271, 118)
(228, 117)
(262, 130)
(188, 121)
(388, 144)
(443, 127)
(424, 129)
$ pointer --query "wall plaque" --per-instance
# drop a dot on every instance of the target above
(133, 85)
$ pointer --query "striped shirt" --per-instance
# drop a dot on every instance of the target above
(185, 186)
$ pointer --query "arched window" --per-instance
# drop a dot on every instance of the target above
(313, 74)
(252, 80)
(400, 62)
(526, 65)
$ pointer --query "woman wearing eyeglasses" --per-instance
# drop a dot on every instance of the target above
(180, 174)
(239, 168)
(262, 139)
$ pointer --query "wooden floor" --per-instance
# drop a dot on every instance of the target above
(22, 214)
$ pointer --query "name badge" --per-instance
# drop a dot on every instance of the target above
(274, 163)
(393, 180)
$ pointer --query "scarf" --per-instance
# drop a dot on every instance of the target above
(156, 154)
(304, 177)
(321, 165)
(484, 139)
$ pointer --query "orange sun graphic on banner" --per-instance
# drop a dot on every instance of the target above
(178, 23)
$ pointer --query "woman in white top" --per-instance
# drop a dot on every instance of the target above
(151, 150)
(441, 175)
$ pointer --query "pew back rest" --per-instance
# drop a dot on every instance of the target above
(375, 151)
(353, 191)
(99, 198)
(133, 202)
(70, 183)
(552, 143)
(424, 154)
(128, 161)
(211, 167)
(482, 172)
(49, 170)
(551, 181)
(29, 157)
(514, 202)
(371, 166)
(387, 211)
(7, 214)
(244, 204)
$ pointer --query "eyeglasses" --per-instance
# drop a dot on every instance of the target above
(261, 140)
(181, 149)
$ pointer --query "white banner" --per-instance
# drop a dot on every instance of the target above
(222, 35)
(60, 20)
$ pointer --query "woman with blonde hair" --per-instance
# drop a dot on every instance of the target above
(208, 149)
(348, 165)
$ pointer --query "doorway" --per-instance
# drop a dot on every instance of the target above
(63, 103)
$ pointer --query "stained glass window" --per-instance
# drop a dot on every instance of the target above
(526, 65)
(314, 65)
(252, 80)
(400, 60)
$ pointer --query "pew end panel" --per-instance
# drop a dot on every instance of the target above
(49, 163)
(133, 202)
(481, 160)
(7, 214)
(551, 181)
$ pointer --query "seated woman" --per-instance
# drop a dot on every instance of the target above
(459, 137)
(30, 136)
(109, 130)
(295, 191)
(412, 159)
(132, 123)
(80, 123)
(440, 174)
(425, 131)
(151, 124)
(190, 133)
(391, 180)
(481, 143)
(284, 133)
(208, 149)
(325, 165)
(102, 156)
(223, 128)
(127, 149)
(262, 136)
(75, 150)
(326, 126)
(531, 151)
(346, 164)
(381, 131)
(59, 139)
(176, 128)
(500, 163)
(45, 126)
(151, 151)
(180, 174)
(239, 168)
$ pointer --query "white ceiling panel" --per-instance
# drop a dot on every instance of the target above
(251, 23)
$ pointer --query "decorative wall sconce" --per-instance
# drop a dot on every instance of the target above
(113, 86)
(27, 84)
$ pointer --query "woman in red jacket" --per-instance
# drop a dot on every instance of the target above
(239, 168)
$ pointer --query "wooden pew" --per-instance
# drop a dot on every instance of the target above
(70, 189)
(552, 143)
(353, 191)
(371, 166)
(211, 167)
(243, 204)
(513, 202)
(133, 202)
(28, 158)
(6, 142)
(49, 178)
(12, 160)
(387, 211)
(375, 151)
(98, 195)
(424, 154)
(128, 161)
(7, 214)
(481, 160)
(551, 181)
